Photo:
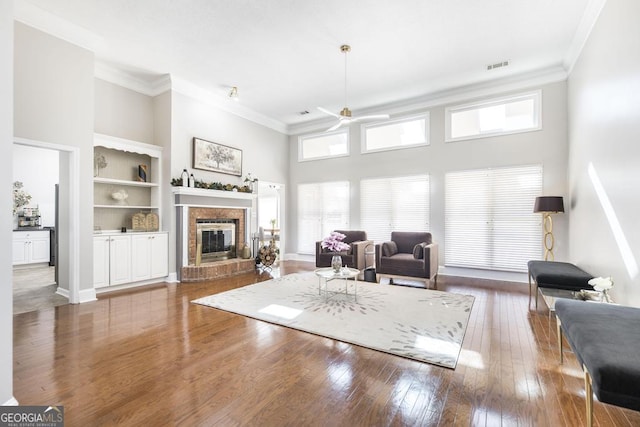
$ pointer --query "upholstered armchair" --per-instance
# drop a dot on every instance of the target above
(409, 254)
(354, 257)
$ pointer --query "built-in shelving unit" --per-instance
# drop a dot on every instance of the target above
(117, 191)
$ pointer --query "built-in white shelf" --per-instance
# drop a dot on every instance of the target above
(125, 207)
(99, 180)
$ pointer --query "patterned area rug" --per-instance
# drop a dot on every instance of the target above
(424, 325)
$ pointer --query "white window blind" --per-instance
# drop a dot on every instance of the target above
(489, 219)
(322, 208)
(394, 204)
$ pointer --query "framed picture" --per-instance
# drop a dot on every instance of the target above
(214, 157)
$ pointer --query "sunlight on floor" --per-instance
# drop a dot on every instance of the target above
(281, 311)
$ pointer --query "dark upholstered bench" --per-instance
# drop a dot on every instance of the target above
(557, 275)
(606, 342)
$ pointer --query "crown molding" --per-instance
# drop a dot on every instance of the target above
(111, 74)
(49, 23)
(225, 103)
(457, 94)
(588, 21)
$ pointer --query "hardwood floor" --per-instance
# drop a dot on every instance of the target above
(150, 357)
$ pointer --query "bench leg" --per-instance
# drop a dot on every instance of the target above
(588, 396)
(558, 326)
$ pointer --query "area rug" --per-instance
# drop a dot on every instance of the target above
(424, 325)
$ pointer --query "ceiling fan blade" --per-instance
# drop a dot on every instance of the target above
(334, 127)
(324, 110)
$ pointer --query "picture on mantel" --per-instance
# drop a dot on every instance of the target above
(214, 157)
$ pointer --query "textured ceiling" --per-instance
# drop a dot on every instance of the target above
(284, 55)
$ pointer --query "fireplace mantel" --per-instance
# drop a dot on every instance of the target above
(186, 199)
(187, 196)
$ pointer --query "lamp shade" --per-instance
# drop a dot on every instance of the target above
(549, 204)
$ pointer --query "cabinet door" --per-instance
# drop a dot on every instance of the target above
(140, 257)
(40, 250)
(20, 251)
(101, 261)
(159, 255)
(120, 259)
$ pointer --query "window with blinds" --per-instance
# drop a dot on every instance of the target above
(322, 208)
(489, 219)
(394, 204)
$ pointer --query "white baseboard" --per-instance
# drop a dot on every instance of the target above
(11, 402)
(113, 288)
(505, 276)
(172, 278)
(87, 295)
(298, 257)
(63, 292)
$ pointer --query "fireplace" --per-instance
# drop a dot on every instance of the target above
(216, 239)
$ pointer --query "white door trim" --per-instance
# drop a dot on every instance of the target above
(74, 210)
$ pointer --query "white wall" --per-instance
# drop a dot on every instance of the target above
(123, 112)
(547, 147)
(265, 151)
(604, 131)
(38, 170)
(6, 202)
(54, 103)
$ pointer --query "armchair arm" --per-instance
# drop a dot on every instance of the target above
(431, 260)
(359, 248)
(318, 252)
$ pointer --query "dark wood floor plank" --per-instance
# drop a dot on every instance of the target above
(149, 356)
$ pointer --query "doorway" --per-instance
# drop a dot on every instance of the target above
(43, 276)
(271, 214)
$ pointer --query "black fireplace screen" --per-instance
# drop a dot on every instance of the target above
(216, 239)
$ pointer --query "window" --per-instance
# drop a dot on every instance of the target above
(322, 208)
(489, 219)
(498, 116)
(324, 145)
(390, 135)
(394, 204)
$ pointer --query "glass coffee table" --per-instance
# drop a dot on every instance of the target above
(326, 275)
(550, 295)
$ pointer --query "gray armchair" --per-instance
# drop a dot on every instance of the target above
(354, 257)
(410, 254)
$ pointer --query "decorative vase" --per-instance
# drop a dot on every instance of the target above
(246, 251)
(336, 263)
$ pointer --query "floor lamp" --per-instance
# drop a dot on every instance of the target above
(548, 205)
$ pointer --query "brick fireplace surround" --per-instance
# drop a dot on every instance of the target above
(189, 272)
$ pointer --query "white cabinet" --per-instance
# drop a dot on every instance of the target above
(150, 256)
(111, 260)
(119, 260)
(101, 258)
(129, 257)
(30, 247)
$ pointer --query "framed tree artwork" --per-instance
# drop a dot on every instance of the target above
(214, 157)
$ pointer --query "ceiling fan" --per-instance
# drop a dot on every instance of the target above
(345, 117)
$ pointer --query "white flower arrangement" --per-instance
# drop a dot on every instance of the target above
(602, 284)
